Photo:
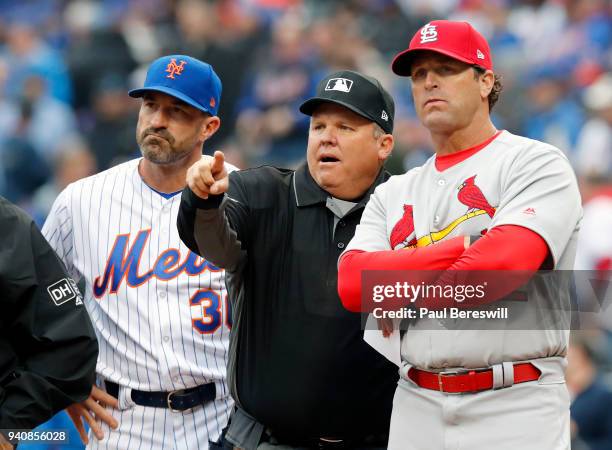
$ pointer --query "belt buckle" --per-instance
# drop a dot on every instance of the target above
(445, 373)
(460, 371)
(169, 402)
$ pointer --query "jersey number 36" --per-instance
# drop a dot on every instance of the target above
(206, 313)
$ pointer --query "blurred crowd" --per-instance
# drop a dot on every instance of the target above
(65, 68)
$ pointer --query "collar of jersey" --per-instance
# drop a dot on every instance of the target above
(447, 161)
(308, 192)
(166, 195)
(138, 179)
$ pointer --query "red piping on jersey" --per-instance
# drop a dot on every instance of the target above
(443, 162)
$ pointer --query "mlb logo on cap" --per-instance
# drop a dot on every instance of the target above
(339, 84)
(188, 79)
(458, 40)
(360, 93)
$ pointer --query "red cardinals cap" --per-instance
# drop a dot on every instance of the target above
(459, 40)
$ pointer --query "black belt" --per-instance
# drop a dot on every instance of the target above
(180, 400)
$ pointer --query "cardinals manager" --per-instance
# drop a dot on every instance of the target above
(487, 200)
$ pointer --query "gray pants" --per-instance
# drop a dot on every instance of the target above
(530, 416)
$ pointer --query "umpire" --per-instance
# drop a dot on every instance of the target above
(48, 348)
(299, 370)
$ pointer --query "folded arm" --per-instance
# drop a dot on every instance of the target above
(507, 247)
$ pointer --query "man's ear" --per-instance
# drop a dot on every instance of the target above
(486, 81)
(209, 127)
(385, 146)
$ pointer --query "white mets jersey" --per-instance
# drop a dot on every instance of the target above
(159, 310)
(511, 181)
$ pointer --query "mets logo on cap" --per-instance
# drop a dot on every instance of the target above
(174, 69)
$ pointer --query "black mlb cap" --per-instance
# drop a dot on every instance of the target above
(361, 94)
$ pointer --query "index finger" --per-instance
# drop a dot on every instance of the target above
(218, 163)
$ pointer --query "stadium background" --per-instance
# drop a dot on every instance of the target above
(65, 67)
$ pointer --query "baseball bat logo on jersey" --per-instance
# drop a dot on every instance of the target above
(471, 196)
(403, 233)
(124, 264)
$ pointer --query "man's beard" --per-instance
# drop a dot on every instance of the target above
(158, 150)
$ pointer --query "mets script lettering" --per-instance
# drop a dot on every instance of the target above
(124, 263)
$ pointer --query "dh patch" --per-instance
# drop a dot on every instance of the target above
(63, 291)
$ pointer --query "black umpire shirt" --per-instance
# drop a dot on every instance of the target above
(48, 347)
(298, 363)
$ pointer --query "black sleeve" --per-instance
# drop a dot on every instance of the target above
(216, 228)
(190, 203)
(45, 333)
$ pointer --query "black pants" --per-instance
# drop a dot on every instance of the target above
(222, 443)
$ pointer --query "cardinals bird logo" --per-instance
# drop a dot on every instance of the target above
(472, 197)
(403, 229)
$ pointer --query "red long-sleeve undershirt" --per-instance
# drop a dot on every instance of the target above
(507, 247)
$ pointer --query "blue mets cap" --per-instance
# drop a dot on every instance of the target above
(186, 78)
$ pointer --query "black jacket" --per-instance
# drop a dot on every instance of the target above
(298, 363)
(48, 348)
